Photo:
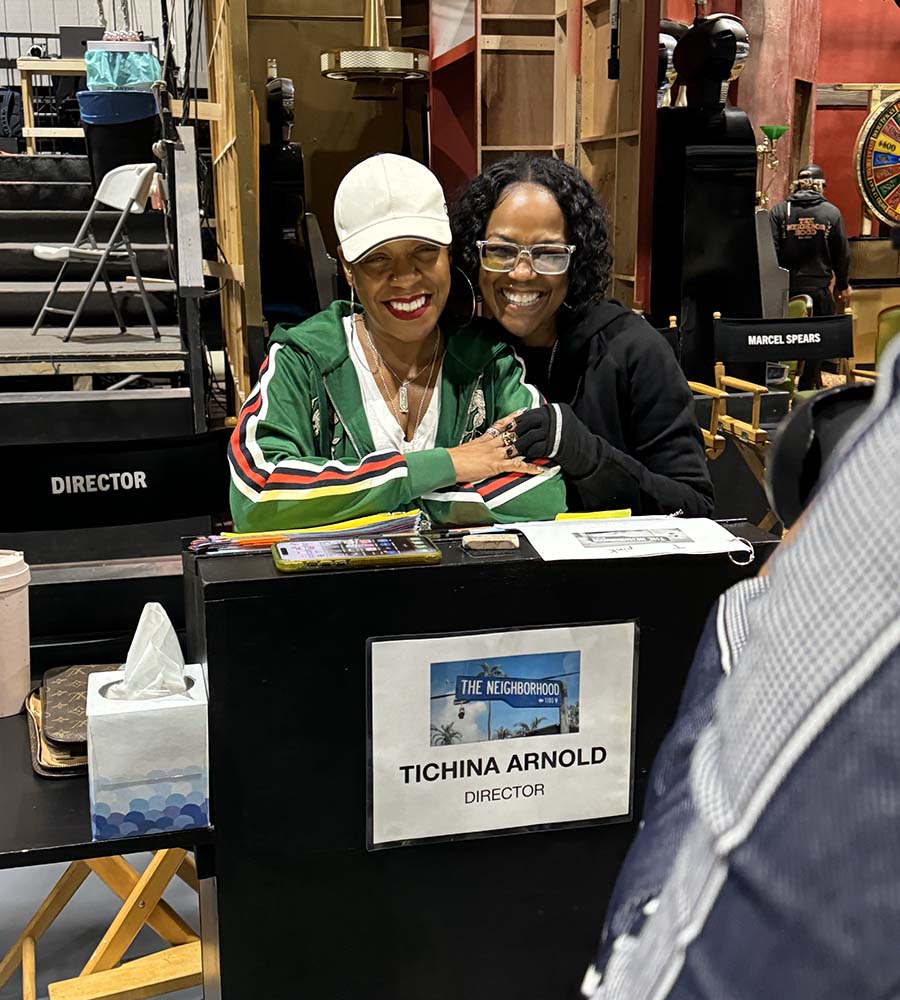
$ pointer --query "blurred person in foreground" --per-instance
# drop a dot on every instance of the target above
(768, 861)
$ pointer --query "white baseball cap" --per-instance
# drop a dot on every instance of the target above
(389, 197)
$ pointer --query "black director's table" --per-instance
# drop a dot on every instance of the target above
(301, 908)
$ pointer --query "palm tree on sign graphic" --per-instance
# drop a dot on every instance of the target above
(488, 671)
(530, 728)
(445, 736)
(503, 733)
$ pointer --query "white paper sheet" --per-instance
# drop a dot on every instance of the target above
(631, 538)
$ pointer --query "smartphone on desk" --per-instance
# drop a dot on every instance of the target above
(335, 553)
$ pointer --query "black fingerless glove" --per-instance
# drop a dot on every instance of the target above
(553, 431)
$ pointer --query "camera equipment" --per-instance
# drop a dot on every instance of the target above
(806, 441)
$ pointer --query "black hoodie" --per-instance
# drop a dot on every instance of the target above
(811, 241)
(622, 380)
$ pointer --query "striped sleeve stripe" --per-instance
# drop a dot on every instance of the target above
(523, 484)
(373, 466)
(536, 399)
(316, 491)
(492, 487)
(513, 485)
(248, 464)
(557, 430)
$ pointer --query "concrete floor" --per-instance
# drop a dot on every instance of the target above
(68, 944)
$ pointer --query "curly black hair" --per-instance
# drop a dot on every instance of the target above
(586, 226)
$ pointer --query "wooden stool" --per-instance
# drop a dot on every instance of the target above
(102, 978)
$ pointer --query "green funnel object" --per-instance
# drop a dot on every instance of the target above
(773, 132)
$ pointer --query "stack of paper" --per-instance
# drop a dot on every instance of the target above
(403, 523)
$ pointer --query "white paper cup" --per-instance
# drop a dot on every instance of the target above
(15, 660)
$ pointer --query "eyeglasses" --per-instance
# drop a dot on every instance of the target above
(544, 258)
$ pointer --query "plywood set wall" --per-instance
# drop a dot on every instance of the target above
(524, 78)
(235, 140)
(544, 89)
(616, 134)
(335, 131)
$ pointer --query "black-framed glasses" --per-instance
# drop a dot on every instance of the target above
(544, 258)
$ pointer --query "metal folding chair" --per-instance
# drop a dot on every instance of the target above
(127, 189)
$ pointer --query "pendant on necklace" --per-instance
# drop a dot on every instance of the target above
(403, 398)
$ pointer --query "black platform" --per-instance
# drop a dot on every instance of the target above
(301, 905)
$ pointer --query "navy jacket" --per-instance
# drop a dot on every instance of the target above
(768, 861)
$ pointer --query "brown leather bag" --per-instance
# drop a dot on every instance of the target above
(57, 720)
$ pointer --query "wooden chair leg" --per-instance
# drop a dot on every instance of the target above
(155, 975)
(135, 911)
(47, 912)
(29, 984)
(756, 464)
(768, 522)
(121, 878)
(188, 873)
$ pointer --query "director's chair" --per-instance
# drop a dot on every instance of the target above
(176, 967)
(739, 341)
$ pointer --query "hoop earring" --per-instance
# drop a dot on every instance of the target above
(352, 299)
(456, 267)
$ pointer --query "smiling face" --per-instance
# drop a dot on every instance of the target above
(403, 287)
(525, 302)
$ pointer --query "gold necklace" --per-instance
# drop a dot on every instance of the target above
(402, 383)
(387, 392)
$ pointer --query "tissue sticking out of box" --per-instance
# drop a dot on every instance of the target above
(155, 666)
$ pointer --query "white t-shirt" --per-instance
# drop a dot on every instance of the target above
(387, 434)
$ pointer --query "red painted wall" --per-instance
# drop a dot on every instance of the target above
(860, 43)
(454, 158)
(683, 10)
(859, 38)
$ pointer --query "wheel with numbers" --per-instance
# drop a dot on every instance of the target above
(878, 160)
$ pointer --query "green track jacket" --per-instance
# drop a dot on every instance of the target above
(302, 452)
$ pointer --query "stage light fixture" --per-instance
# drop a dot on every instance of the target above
(376, 67)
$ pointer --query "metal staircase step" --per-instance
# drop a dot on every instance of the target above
(18, 263)
(45, 168)
(61, 226)
(39, 196)
(20, 302)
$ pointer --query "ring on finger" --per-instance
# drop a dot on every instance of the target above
(508, 437)
(510, 452)
(493, 432)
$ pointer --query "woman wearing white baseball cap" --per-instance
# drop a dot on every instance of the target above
(388, 404)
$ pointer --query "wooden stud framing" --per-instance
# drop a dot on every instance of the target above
(235, 158)
(610, 126)
(524, 79)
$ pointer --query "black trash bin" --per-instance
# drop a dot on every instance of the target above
(120, 126)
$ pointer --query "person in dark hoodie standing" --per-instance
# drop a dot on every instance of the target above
(811, 243)
(531, 235)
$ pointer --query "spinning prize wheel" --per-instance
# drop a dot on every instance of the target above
(878, 157)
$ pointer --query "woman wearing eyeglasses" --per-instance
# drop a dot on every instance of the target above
(531, 235)
(387, 404)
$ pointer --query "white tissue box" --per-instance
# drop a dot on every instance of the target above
(148, 760)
